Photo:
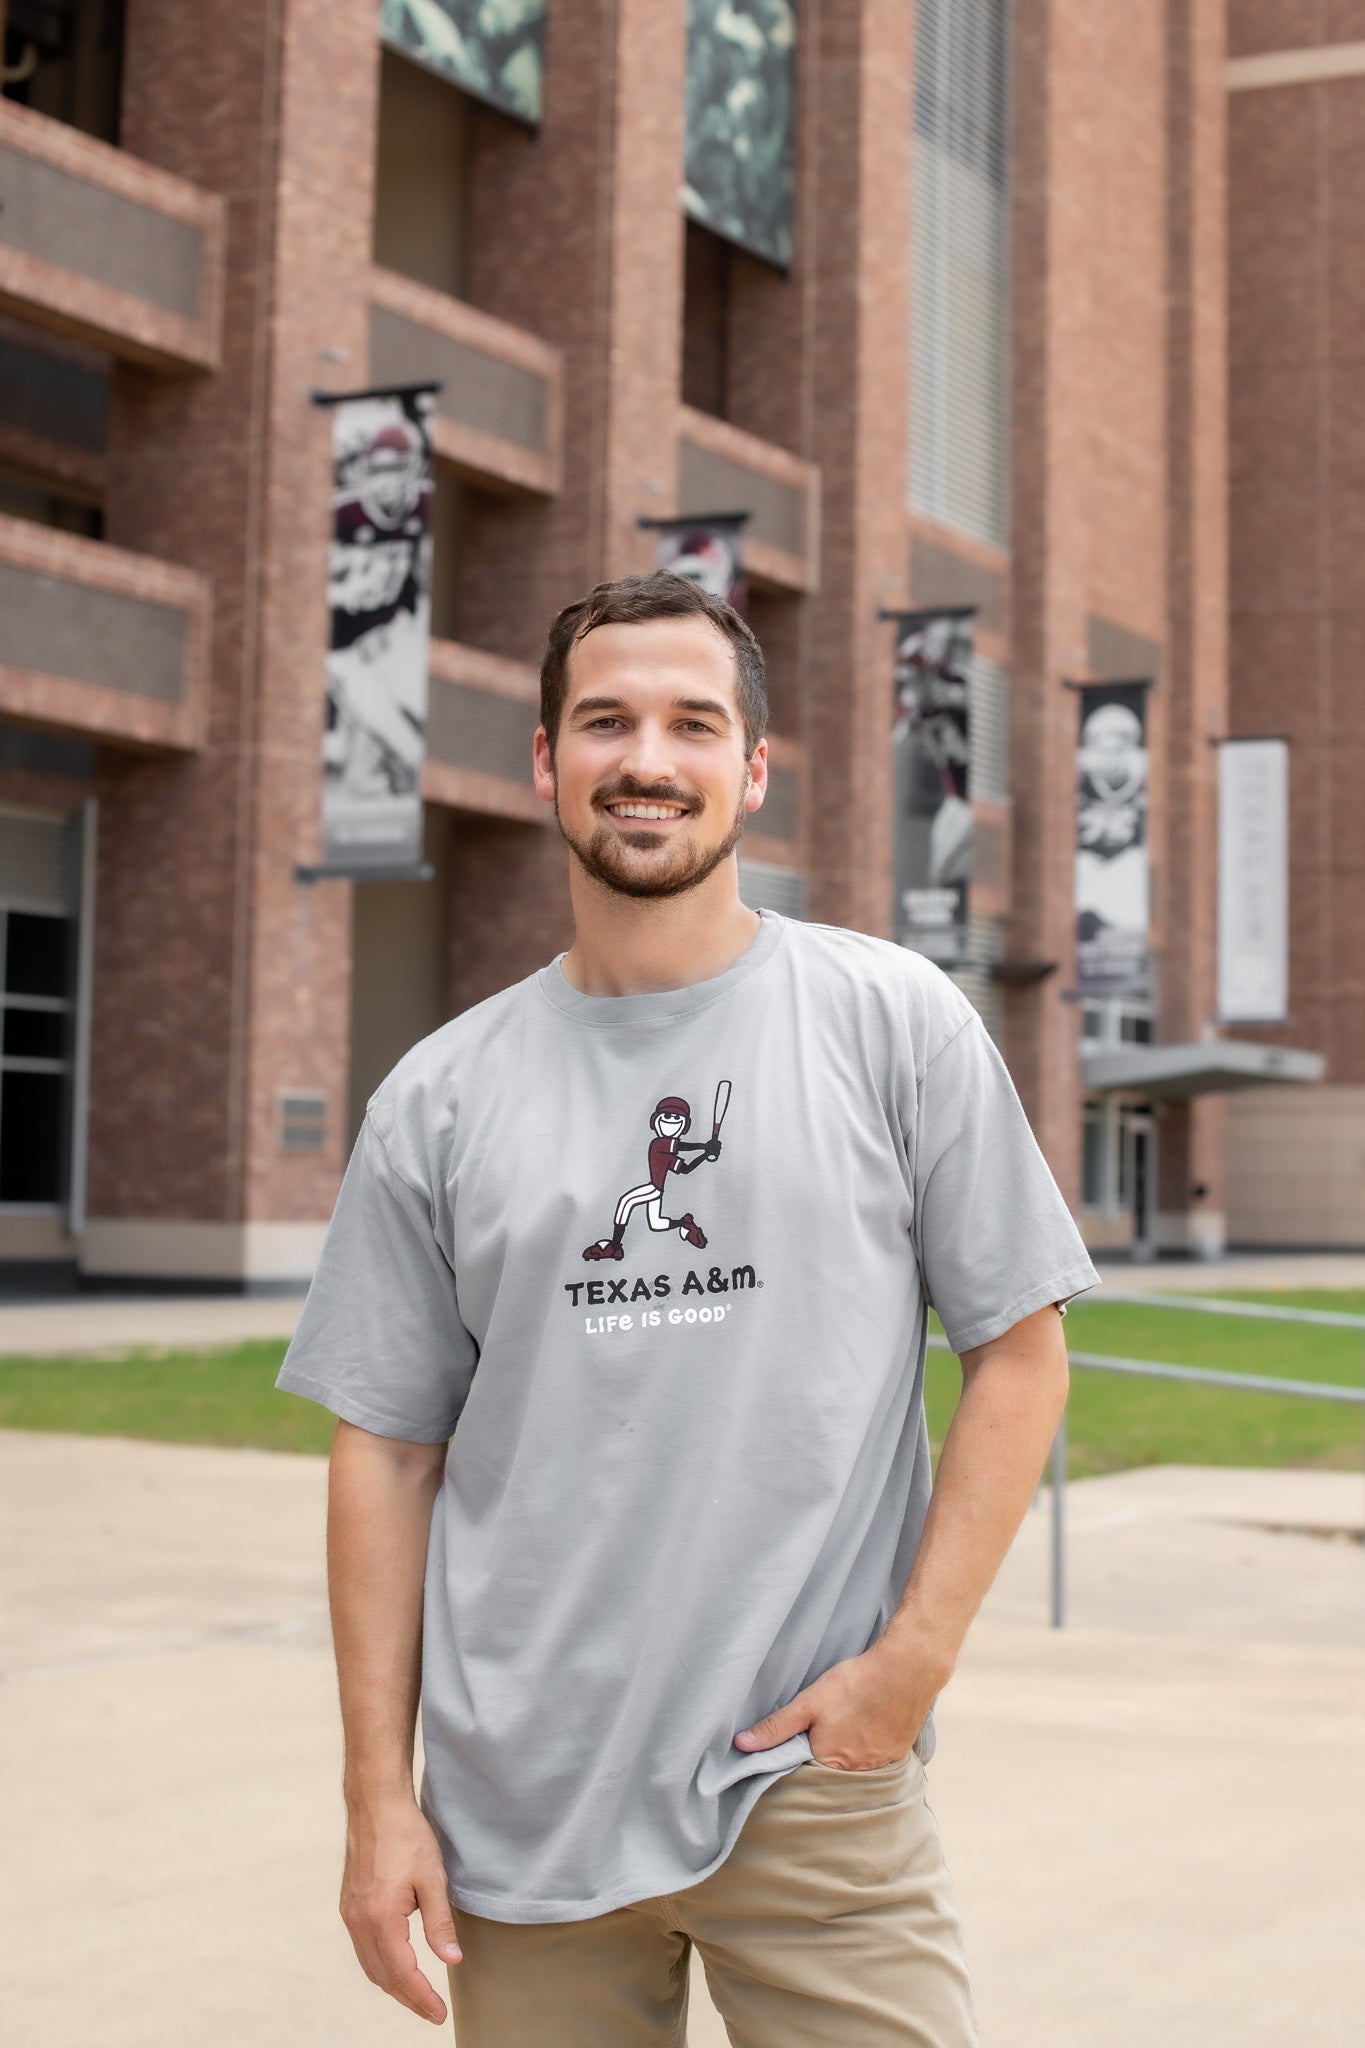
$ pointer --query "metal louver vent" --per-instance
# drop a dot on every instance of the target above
(989, 698)
(37, 865)
(959, 385)
(766, 887)
(985, 945)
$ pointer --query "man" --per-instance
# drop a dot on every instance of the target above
(687, 1604)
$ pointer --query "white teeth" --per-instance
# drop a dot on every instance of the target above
(626, 810)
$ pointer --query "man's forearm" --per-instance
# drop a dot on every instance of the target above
(380, 1496)
(862, 1713)
(379, 1505)
(1013, 1396)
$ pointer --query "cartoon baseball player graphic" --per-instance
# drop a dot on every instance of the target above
(672, 1117)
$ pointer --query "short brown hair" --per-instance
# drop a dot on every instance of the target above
(631, 601)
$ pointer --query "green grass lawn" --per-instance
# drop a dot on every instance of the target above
(223, 1396)
(1114, 1423)
(227, 1396)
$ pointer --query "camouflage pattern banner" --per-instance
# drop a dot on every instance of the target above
(708, 549)
(1112, 880)
(493, 48)
(741, 122)
(379, 595)
(931, 749)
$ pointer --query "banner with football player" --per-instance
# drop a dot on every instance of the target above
(931, 754)
(1112, 878)
(708, 549)
(379, 595)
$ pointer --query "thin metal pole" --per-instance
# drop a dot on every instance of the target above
(1059, 1525)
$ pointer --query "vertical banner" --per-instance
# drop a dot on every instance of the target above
(741, 123)
(493, 48)
(708, 549)
(931, 750)
(1112, 877)
(379, 596)
(1253, 882)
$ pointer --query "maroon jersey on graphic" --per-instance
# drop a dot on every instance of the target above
(663, 1157)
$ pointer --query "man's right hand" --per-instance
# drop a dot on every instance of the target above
(394, 1869)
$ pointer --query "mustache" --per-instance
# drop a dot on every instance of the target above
(627, 790)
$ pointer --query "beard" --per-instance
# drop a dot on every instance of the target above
(606, 855)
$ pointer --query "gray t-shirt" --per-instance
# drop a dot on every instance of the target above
(658, 1267)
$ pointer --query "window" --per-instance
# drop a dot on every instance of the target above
(961, 328)
(706, 322)
(64, 58)
(25, 494)
(1094, 1156)
(35, 1055)
(1119, 1020)
(423, 163)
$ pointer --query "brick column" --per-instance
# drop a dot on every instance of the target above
(1048, 595)
(220, 981)
(857, 146)
(1090, 428)
(1191, 1138)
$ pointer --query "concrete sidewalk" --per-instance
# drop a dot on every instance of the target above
(1153, 1818)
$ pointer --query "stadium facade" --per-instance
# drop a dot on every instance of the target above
(952, 299)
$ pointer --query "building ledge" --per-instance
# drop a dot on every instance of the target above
(98, 641)
(1176, 1072)
(96, 244)
(483, 710)
(499, 415)
(723, 469)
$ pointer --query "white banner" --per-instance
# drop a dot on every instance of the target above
(1253, 882)
(1113, 879)
(379, 594)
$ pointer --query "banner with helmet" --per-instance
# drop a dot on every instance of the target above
(1113, 884)
(931, 739)
(708, 549)
(379, 596)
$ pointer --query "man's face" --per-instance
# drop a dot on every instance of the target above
(649, 780)
(670, 1126)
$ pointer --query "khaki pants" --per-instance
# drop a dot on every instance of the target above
(829, 1925)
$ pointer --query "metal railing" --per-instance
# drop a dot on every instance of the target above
(1146, 1368)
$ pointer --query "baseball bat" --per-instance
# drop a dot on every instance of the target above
(722, 1104)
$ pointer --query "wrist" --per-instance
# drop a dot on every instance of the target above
(916, 1652)
(372, 1788)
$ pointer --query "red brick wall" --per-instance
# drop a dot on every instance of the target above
(1297, 304)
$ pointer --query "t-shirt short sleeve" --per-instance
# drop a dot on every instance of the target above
(994, 1238)
(380, 1341)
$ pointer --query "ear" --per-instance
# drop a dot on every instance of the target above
(543, 766)
(758, 778)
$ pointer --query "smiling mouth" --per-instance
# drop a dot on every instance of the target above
(631, 807)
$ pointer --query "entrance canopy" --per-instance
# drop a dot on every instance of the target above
(1175, 1072)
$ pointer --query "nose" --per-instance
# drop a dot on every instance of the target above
(648, 754)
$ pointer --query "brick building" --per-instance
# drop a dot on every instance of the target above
(989, 364)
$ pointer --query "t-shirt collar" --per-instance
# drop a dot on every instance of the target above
(665, 1006)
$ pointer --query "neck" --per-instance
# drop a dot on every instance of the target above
(634, 946)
